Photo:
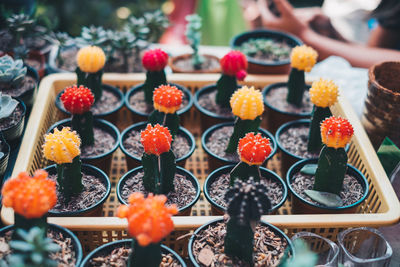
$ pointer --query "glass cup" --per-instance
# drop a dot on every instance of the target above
(364, 247)
(327, 251)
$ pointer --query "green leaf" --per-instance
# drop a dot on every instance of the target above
(304, 256)
(21, 246)
(36, 258)
(309, 169)
(325, 198)
(52, 247)
(389, 156)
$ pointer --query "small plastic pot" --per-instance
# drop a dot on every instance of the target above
(13, 134)
(28, 97)
(215, 161)
(76, 245)
(38, 56)
(302, 206)
(133, 161)
(106, 249)
(93, 211)
(111, 115)
(102, 161)
(209, 118)
(138, 116)
(261, 67)
(288, 158)
(275, 117)
(184, 211)
(5, 150)
(214, 222)
(176, 69)
(217, 209)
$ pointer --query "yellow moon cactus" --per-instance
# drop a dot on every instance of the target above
(303, 58)
(247, 103)
(91, 59)
(62, 146)
(323, 93)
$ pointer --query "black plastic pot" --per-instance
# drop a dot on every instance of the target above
(65, 232)
(261, 67)
(109, 247)
(215, 162)
(133, 161)
(28, 97)
(275, 117)
(138, 116)
(102, 161)
(302, 206)
(207, 117)
(217, 209)
(13, 134)
(112, 115)
(213, 222)
(95, 210)
(4, 155)
(184, 211)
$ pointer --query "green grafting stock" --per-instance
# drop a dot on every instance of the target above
(149, 256)
(296, 86)
(239, 241)
(69, 178)
(226, 86)
(91, 81)
(332, 166)
(244, 171)
(314, 135)
(241, 128)
(171, 121)
(83, 124)
(21, 222)
(159, 172)
(153, 80)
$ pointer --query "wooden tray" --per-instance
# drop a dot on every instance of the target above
(380, 208)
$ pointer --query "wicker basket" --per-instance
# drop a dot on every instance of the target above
(381, 207)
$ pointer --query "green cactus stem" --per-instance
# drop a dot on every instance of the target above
(241, 128)
(171, 121)
(244, 171)
(92, 81)
(193, 35)
(149, 256)
(296, 87)
(153, 80)
(83, 125)
(247, 202)
(226, 86)
(69, 178)
(21, 222)
(159, 172)
(332, 166)
(314, 135)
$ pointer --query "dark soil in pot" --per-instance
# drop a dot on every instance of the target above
(117, 253)
(13, 126)
(96, 188)
(13, 119)
(207, 245)
(70, 254)
(184, 64)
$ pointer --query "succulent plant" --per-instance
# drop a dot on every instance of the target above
(247, 200)
(154, 62)
(167, 100)
(247, 105)
(265, 46)
(7, 105)
(234, 66)
(62, 147)
(323, 93)
(32, 250)
(156, 22)
(62, 40)
(193, 35)
(20, 25)
(124, 42)
(137, 27)
(158, 160)
(12, 72)
(93, 36)
(302, 59)
(149, 221)
(78, 101)
(91, 60)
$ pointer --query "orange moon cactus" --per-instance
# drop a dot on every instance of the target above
(336, 132)
(167, 98)
(156, 140)
(149, 220)
(30, 197)
(77, 100)
(254, 149)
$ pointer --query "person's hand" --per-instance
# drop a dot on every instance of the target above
(287, 21)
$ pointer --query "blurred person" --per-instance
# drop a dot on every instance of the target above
(316, 30)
